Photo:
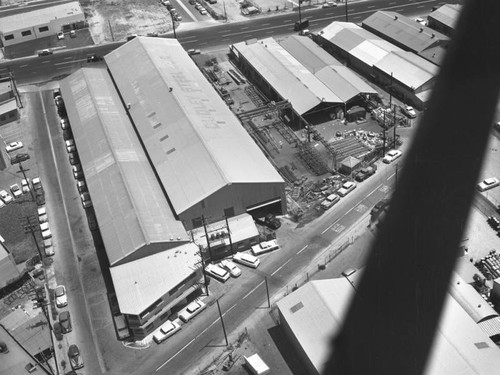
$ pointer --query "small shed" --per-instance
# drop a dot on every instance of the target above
(349, 164)
(355, 113)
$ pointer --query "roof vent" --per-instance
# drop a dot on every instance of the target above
(395, 17)
(171, 238)
(433, 35)
(129, 105)
(178, 238)
(421, 30)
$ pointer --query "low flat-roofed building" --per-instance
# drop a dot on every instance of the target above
(412, 76)
(408, 34)
(313, 314)
(138, 227)
(6, 89)
(42, 22)
(207, 163)
(445, 18)
(8, 269)
(8, 111)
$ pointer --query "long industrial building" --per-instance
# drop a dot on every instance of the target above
(298, 70)
(409, 76)
(160, 150)
(445, 18)
(313, 314)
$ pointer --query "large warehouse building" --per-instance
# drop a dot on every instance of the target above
(39, 23)
(159, 149)
(408, 34)
(411, 77)
(312, 315)
(445, 18)
(298, 70)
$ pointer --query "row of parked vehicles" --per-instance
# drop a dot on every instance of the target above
(16, 191)
(61, 299)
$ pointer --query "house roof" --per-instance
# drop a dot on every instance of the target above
(196, 144)
(409, 33)
(140, 283)
(350, 162)
(315, 313)
(37, 17)
(131, 209)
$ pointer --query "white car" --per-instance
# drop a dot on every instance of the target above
(391, 156)
(70, 146)
(265, 247)
(165, 331)
(346, 188)
(486, 184)
(61, 298)
(60, 35)
(42, 215)
(409, 111)
(64, 124)
(246, 259)
(232, 268)
(46, 233)
(193, 309)
(329, 4)
(49, 251)
(25, 185)
(421, 21)
(217, 272)
(82, 186)
(13, 146)
(86, 201)
(16, 190)
(37, 183)
(203, 11)
(6, 197)
(329, 201)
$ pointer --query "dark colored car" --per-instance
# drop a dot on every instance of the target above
(75, 359)
(65, 321)
(364, 173)
(272, 222)
(93, 58)
(19, 158)
(57, 331)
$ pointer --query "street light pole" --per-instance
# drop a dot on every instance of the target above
(222, 322)
(173, 24)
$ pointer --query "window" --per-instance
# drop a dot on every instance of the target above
(8, 37)
(150, 308)
(26, 33)
(44, 28)
(150, 327)
(229, 212)
(165, 315)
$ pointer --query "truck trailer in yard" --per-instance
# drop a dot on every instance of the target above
(256, 365)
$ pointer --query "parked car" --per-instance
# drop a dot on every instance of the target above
(193, 51)
(203, 12)
(193, 309)
(391, 156)
(348, 272)
(16, 190)
(6, 197)
(75, 358)
(421, 21)
(270, 221)
(265, 247)
(45, 52)
(56, 328)
(329, 201)
(64, 124)
(13, 146)
(178, 17)
(72, 34)
(70, 145)
(61, 297)
(364, 173)
(82, 186)
(60, 35)
(49, 249)
(329, 4)
(198, 6)
(346, 188)
(58, 100)
(77, 172)
(16, 159)
(93, 58)
(232, 268)
(484, 185)
(86, 201)
(44, 228)
(25, 185)
(246, 259)
(217, 272)
(42, 214)
(166, 330)
(73, 158)
(37, 183)
(409, 111)
(65, 321)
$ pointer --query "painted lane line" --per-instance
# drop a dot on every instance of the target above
(254, 30)
(301, 250)
(253, 290)
(23, 66)
(232, 307)
(175, 355)
(70, 62)
(283, 265)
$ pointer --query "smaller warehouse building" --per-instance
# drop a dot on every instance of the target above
(8, 270)
(39, 23)
(297, 70)
(313, 314)
(407, 75)
(444, 18)
(408, 34)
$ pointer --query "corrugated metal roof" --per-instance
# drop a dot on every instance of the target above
(344, 82)
(281, 79)
(8, 105)
(308, 53)
(491, 326)
(315, 312)
(470, 300)
(140, 283)
(195, 142)
(131, 209)
(408, 68)
(39, 16)
(404, 30)
(447, 14)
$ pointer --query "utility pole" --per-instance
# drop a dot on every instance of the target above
(346, 14)
(395, 125)
(229, 235)
(267, 291)
(173, 24)
(203, 270)
(383, 147)
(22, 170)
(300, 16)
(208, 238)
(225, 14)
(222, 322)
(111, 31)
